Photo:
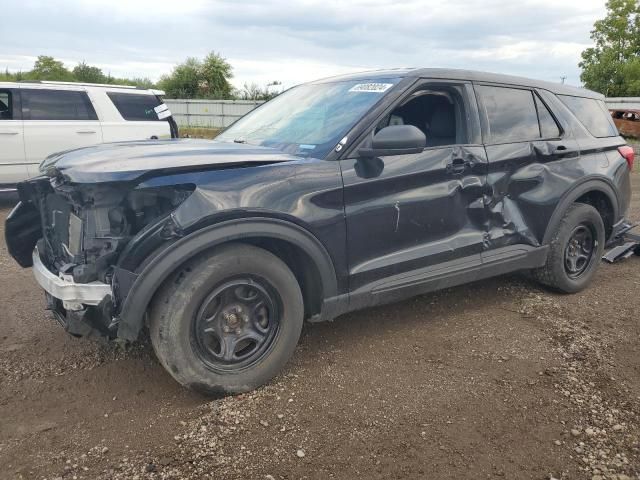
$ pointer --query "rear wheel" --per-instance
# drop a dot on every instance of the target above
(575, 250)
(229, 321)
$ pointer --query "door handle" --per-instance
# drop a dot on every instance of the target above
(563, 151)
(85, 131)
(9, 132)
(458, 165)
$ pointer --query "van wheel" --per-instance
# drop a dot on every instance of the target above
(228, 321)
(575, 250)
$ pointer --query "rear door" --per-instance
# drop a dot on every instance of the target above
(56, 120)
(522, 137)
(135, 116)
(12, 158)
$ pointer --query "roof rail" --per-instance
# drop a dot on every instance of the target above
(83, 84)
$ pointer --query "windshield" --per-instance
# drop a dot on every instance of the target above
(308, 120)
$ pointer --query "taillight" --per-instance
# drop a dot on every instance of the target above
(628, 154)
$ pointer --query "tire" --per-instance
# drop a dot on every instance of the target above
(558, 272)
(205, 314)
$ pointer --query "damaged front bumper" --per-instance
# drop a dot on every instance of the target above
(74, 296)
(78, 307)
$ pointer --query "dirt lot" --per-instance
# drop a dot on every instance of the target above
(498, 379)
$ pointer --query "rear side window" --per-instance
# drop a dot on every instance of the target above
(511, 113)
(593, 114)
(548, 126)
(6, 110)
(56, 105)
(135, 107)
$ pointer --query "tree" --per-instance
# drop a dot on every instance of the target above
(183, 81)
(199, 79)
(194, 78)
(612, 66)
(255, 92)
(7, 76)
(88, 74)
(142, 82)
(215, 73)
(48, 68)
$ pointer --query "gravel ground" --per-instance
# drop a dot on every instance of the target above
(497, 379)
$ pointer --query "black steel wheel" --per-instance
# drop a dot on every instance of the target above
(575, 250)
(580, 249)
(236, 323)
(227, 321)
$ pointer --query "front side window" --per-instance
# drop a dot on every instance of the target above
(593, 114)
(6, 110)
(309, 120)
(136, 107)
(511, 114)
(438, 111)
(56, 105)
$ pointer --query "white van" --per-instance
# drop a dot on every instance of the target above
(41, 118)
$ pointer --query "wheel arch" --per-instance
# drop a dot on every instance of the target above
(305, 255)
(597, 192)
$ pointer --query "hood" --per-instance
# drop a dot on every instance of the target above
(128, 161)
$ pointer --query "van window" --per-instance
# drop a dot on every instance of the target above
(48, 104)
(548, 126)
(5, 105)
(136, 107)
(511, 113)
(593, 114)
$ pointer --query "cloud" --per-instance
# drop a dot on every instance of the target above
(292, 42)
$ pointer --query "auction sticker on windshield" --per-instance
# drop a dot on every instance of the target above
(371, 87)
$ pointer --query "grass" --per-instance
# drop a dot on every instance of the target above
(199, 132)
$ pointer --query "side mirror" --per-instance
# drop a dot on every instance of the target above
(395, 140)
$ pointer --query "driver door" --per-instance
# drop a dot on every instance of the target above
(410, 217)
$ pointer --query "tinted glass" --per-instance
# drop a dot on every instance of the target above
(548, 126)
(311, 119)
(5, 105)
(511, 113)
(135, 107)
(593, 114)
(57, 105)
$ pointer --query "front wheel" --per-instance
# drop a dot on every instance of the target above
(575, 250)
(227, 322)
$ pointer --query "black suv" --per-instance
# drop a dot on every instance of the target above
(336, 195)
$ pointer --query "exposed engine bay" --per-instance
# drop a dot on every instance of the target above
(85, 230)
(80, 231)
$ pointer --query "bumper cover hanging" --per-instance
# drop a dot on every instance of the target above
(628, 244)
(73, 295)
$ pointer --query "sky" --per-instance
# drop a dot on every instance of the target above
(296, 41)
